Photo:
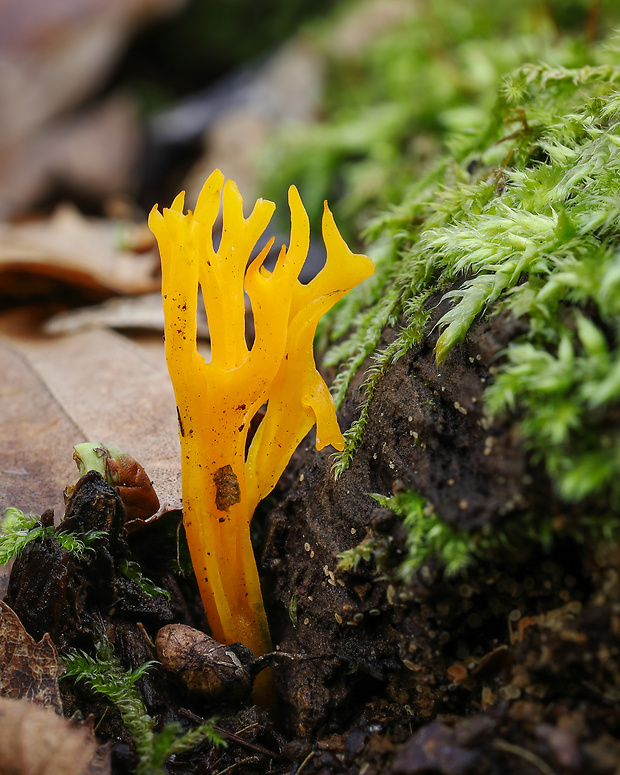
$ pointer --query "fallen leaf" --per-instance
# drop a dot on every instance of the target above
(55, 53)
(35, 741)
(92, 386)
(67, 158)
(37, 438)
(80, 251)
(139, 312)
(28, 670)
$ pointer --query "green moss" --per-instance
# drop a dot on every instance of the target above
(523, 216)
(105, 675)
(132, 571)
(429, 540)
(391, 104)
(495, 192)
(17, 530)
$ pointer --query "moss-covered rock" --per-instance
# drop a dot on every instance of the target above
(479, 382)
(524, 223)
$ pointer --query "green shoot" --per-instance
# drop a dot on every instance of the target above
(131, 570)
(17, 530)
(105, 675)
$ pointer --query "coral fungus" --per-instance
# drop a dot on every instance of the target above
(216, 400)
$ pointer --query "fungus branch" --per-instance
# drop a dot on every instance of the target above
(217, 400)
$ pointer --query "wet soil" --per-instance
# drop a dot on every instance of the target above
(512, 667)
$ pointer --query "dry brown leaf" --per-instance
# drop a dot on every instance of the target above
(35, 741)
(92, 386)
(54, 53)
(136, 312)
(81, 251)
(37, 437)
(28, 670)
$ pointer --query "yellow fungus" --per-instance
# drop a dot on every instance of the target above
(216, 400)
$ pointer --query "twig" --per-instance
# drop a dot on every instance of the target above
(305, 761)
(267, 660)
(232, 736)
(529, 756)
(96, 727)
(247, 728)
(147, 638)
(253, 759)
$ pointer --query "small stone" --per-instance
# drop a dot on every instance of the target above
(457, 673)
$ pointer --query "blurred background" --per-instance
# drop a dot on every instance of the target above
(110, 106)
(105, 99)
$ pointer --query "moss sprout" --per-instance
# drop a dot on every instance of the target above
(105, 675)
(17, 530)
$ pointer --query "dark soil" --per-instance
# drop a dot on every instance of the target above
(510, 668)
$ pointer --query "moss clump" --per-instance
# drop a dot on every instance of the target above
(506, 199)
(429, 540)
(105, 675)
(523, 217)
(519, 212)
(392, 101)
(17, 530)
